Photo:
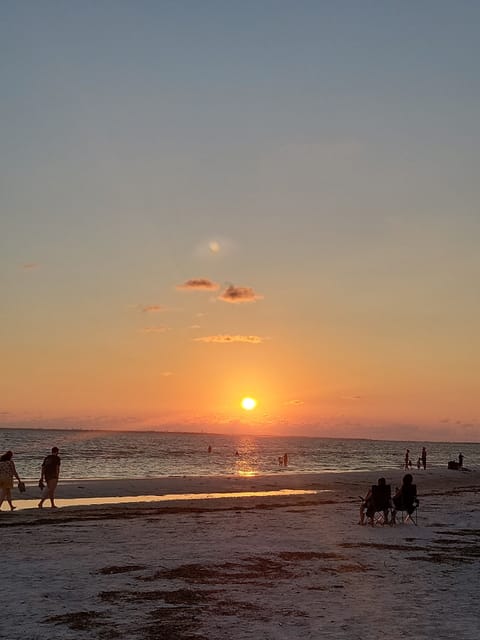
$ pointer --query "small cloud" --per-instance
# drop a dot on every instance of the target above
(227, 339)
(294, 402)
(195, 326)
(152, 308)
(166, 374)
(198, 284)
(154, 330)
(29, 266)
(237, 295)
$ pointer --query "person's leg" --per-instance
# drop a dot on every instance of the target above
(2, 496)
(44, 496)
(362, 514)
(8, 495)
(371, 515)
(51, 486)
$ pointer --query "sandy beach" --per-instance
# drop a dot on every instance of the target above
(260, 565)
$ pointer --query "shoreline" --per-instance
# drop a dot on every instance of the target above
(72, 488)
(227, 483)
(340, 486)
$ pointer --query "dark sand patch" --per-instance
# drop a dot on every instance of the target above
(106, 571)
(302, 556)
(251, 569)
(180, 596)
(172, 624)
(81, 621)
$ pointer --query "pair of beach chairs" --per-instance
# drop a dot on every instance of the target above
(382, 509)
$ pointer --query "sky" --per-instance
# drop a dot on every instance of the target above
(206, 201)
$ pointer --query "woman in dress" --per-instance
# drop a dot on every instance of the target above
(7, 473)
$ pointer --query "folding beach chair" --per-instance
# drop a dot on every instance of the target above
(382, 503)
(407, 504)
(379, 504)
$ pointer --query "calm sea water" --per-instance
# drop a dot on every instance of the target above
(128, 454)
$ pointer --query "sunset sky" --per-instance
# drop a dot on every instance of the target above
(202, 201)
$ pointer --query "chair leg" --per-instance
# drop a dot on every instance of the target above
(412, 517)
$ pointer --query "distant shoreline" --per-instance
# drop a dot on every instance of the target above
(235, 435)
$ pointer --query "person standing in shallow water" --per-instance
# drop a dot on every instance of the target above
(49, 477)
(424, 458)
(407, 458)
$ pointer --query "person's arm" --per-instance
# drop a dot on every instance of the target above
(14, 470)
(368, 496)
(42, 472)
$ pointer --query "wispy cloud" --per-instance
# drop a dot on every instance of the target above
(228, 339)
(198, 284)
(237, 295)
(153, 329)
(29, 266)
(294, 402)
(151, 308)
(166, 374)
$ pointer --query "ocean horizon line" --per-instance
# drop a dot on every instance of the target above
(236, 434)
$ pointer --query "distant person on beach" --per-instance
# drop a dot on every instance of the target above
(424, 458)
(460, 460)
(285, 459)
(209, 449)
(7, 473)
(407, 458)
(49, 477)
(280, 460)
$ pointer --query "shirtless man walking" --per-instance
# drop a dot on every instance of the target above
(49, 474)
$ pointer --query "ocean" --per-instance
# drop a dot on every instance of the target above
(148, 454)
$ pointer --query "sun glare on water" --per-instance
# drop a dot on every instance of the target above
(248, 403)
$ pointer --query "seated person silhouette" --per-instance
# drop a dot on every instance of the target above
(377, 499)
(405, 498)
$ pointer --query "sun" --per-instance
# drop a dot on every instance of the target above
(248, 403)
